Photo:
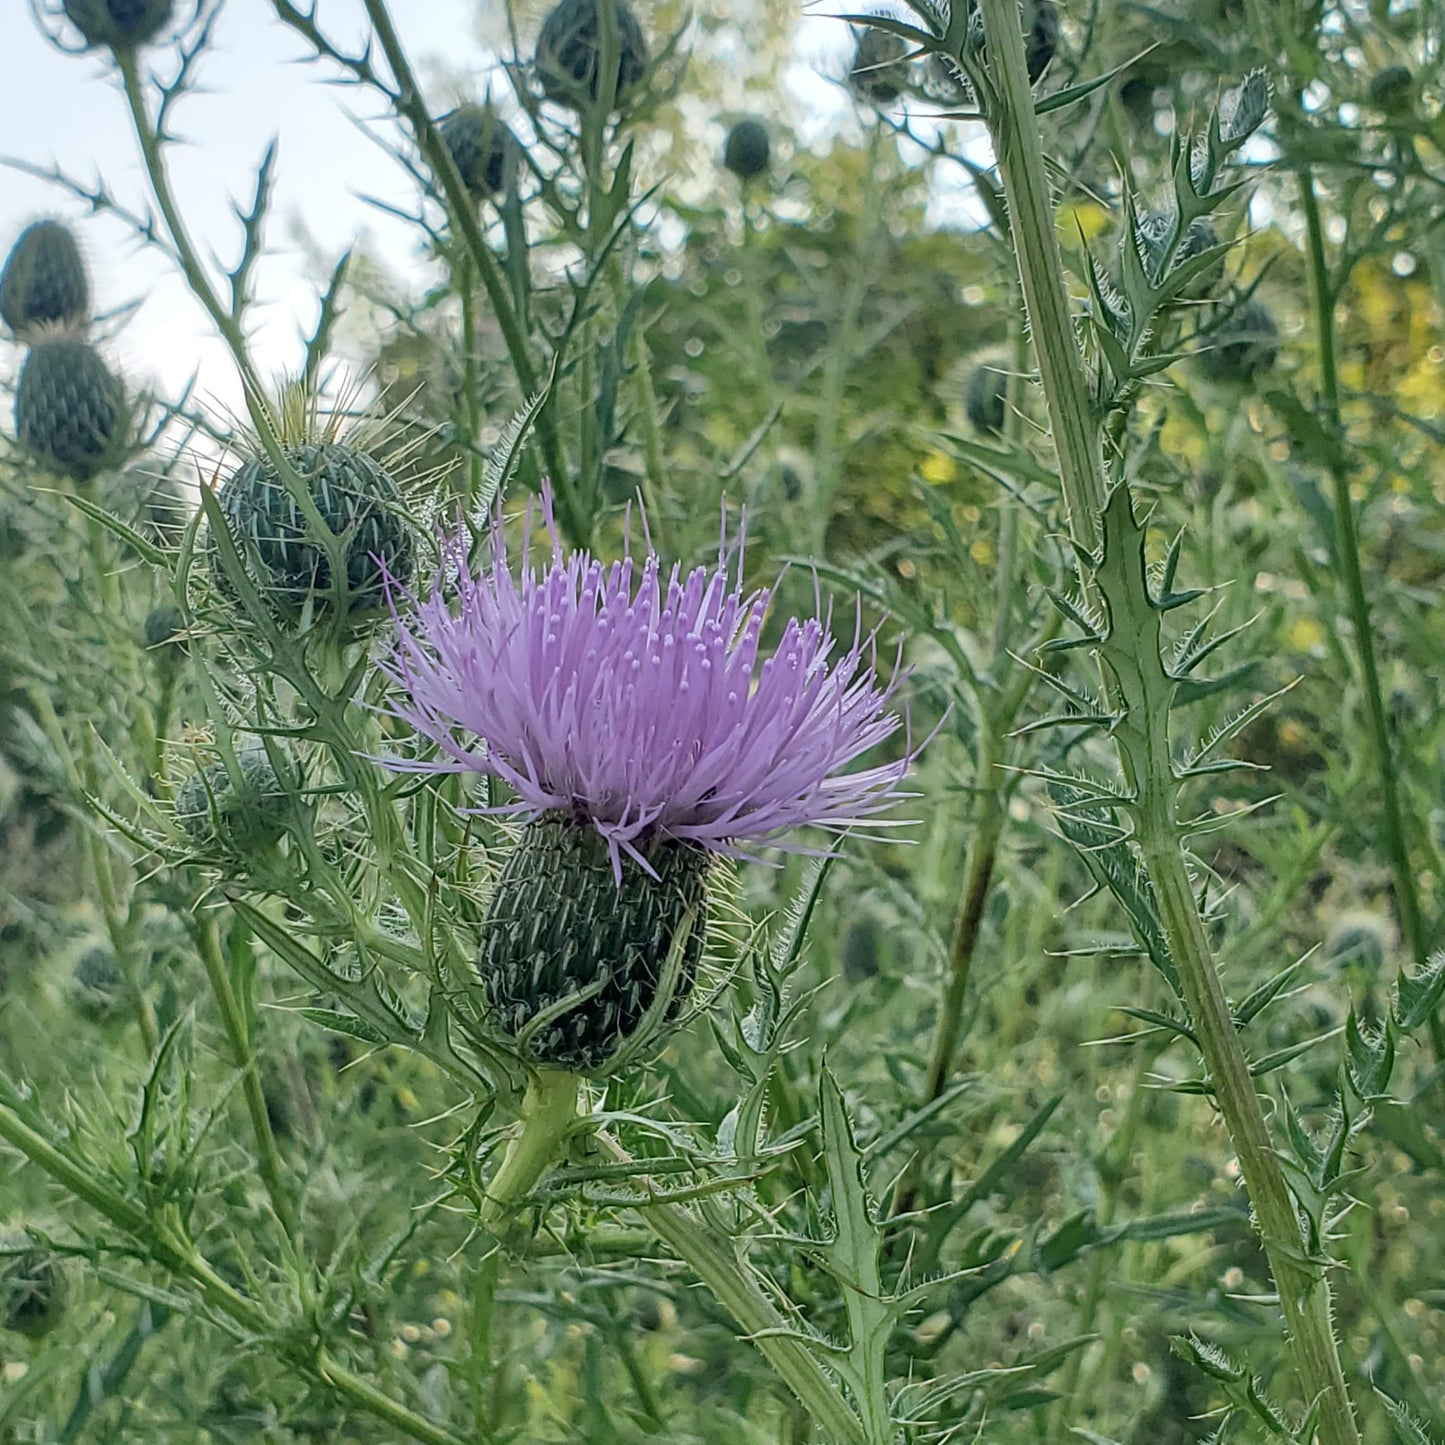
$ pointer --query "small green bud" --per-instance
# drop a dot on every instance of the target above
(70, 408)
(985, 400)
(481, 148)
(44, 281)
(119, 24)
(879, 73)
(164, 631)
(1359, 940)
(561, 927)
(748, 149)
(96, 984)
(288, 564)
(33, 1286)
(1242, 347)
(236, 814)
(569, 52)
(1243, 109)
(1392, 89)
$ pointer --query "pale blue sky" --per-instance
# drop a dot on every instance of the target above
(67, 110)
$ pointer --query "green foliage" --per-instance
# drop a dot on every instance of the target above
(913, 1143)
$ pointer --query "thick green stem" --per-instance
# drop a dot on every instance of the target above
(243, 1055)
(1143, 734)
(1304, 1295)
(1392, 823)
(549, 1111)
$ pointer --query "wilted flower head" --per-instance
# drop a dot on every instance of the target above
(643, 733)
(640, 706)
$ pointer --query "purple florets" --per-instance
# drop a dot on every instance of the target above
(604, 695)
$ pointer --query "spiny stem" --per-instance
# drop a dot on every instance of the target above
(1041, 270)
(1143, 736)
(1392, 823)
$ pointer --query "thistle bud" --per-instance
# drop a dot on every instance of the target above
(1242, 347)
(234, 813)
(288, 564)
(569, 52)
(33, 1286)
(44, 281)
(119, 24)
(481, 148)
(96, 984)
(1358, 940)
(579, 955)
(985, 400)
(70, 408)
(164, 632)
(748, 149)
(879, 73)
(1392, 88)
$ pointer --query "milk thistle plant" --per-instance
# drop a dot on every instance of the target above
(485, 955)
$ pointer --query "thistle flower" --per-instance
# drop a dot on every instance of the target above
(643, 735)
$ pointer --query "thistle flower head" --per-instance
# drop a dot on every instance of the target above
(639, 702)
(643, 734)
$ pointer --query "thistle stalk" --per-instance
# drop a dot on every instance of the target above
(1392, 824)
(1142, 734)
(549, 1112)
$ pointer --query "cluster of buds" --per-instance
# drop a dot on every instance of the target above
(70, 407)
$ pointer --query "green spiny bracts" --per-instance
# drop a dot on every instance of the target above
(569, 52)
(748, 149)
(96, 985)
(561, 927)
(44, 281)
(480, 147)
(1242, 347)
(70, 408)
(234, 813)
(879, 73)
(32, 1286)
(120, 24)
(985, 399)
(1155, 230)
(284, 557)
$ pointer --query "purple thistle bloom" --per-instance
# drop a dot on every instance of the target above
(605, 696)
